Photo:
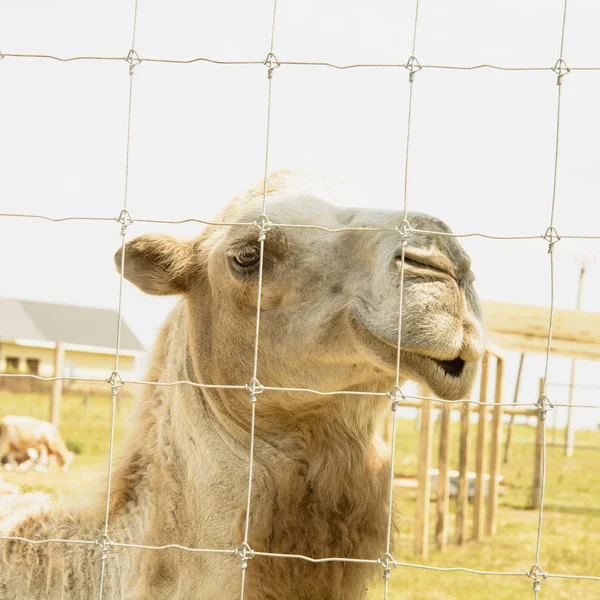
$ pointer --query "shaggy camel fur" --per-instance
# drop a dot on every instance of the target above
(329, 321)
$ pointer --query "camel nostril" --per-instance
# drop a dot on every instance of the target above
(452, 367)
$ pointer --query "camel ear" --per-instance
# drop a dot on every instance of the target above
(159, 264)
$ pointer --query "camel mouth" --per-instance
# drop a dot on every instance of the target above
(453, 368)
(450, 379)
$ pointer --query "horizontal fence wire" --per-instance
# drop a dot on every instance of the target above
(291, 63)
(268, 388)
(539, 408)
(275, 225)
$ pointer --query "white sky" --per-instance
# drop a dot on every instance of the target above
(482, 146)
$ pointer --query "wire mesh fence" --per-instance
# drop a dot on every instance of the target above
(264, 227)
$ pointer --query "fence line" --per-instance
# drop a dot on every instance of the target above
(268, 388)
(245, 552)
(115, 381)
(264, 226)
(405, 230)
(275, 225)
(561, 69)
(291, 63)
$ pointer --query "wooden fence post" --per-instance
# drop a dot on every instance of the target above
(462, 495)
(387, 428)
(57, 384)
(537, 457)
(569, 431)
(478, 500)
(443, 487)
(494, 484)
(424, 480)
(512, 416)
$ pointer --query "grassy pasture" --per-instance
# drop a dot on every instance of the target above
(571, 531)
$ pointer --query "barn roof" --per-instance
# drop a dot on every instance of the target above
(524, 328)
(49, 322)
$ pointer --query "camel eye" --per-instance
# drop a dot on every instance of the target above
(424, 265)
(416, 264)
(248, 257)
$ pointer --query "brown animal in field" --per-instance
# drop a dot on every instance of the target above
(32, 442)
(22, 460)
(329, 321)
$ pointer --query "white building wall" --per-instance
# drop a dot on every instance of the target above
(78, 363)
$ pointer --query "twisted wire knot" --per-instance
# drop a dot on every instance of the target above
(538, 575)
(133, 59)
(254, 387)
(413, 66)
(105, 544)
(561, 69)
(544, 405)
(245, 553)
(396, 396)
(116, 381)
(272, 63)
(405, 230)
(125, 219)
(264, 226)
(388, 563)
(552, 237)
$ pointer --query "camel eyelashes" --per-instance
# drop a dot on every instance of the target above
(417, 264)
(244, 254)
(248, 257)
(413, 263)
(409, 262)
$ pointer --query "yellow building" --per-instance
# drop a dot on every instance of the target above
(30, 332)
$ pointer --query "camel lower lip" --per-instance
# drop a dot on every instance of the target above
(454, 367)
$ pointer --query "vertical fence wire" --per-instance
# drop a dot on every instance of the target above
(537, 573)
(255, 388)
(405, 231)
(115, 380)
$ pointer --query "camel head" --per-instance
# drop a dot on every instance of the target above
(330, 301)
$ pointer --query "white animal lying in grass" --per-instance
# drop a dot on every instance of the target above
(23, 461)
(26, 442)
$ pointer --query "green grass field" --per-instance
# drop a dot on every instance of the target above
(571, 530)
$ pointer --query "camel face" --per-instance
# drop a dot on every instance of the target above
(330, 301)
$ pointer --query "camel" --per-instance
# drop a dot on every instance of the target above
(329, 322)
